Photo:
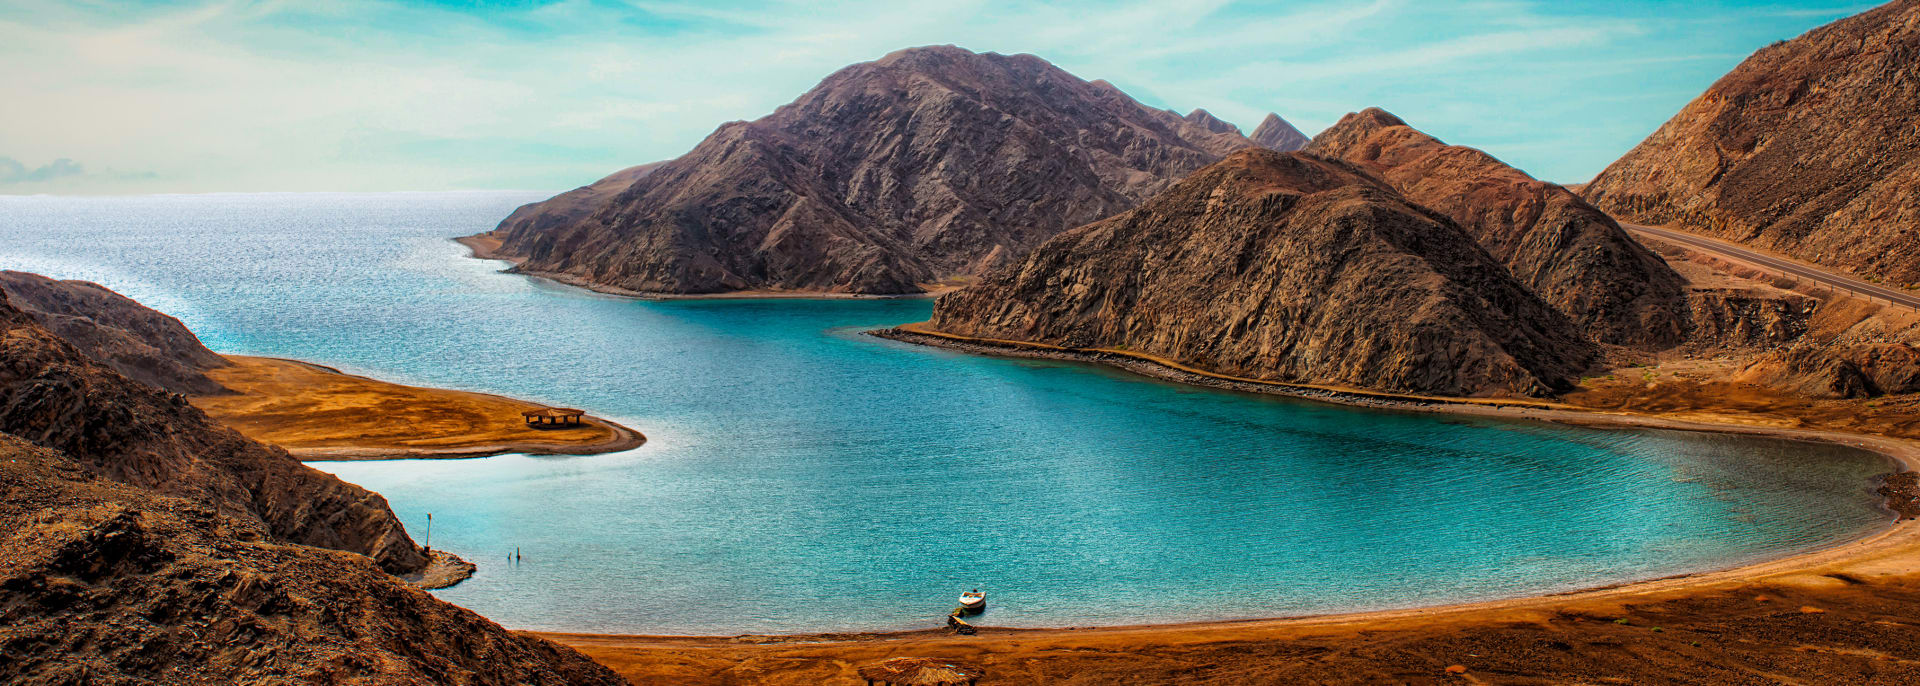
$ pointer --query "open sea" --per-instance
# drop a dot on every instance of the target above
(802, 477)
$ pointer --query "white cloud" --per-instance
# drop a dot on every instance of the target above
(373, 95)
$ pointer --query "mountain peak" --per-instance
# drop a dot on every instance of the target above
(1212, 124)
(1558, 244)
(1275, 133)
(1285, 267)
(838, 206)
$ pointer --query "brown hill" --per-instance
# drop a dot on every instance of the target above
(56, 397)
(1811, 147)
(1575, 256)
(141, 543)
(1275, 133)
(137, 341)
(105, 583)
(928, 164)
(1285, 267)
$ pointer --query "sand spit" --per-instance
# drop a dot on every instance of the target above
(320, 413)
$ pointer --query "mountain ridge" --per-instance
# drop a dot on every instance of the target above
(925, 165)
(1810, 147)
(1572, 254)
(1284, 267)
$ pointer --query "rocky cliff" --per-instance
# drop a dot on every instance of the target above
(1285, 267)
(126, 431)
(106, 583)
(137, 341)
(1573, 255)
(1811, 147)
(928, 164)
(1275, 133)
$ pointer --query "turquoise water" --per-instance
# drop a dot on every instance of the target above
(803, 477)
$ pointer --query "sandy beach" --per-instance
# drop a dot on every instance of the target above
(320, 413)
(1840, 614)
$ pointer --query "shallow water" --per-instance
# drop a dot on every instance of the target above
(803, 477)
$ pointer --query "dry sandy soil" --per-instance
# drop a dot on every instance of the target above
(320, 413)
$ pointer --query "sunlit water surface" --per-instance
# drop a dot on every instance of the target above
(803, 477)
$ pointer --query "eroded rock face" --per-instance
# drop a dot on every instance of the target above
(1733, 318)
(105, 583)
(1284, 267)
(1811, 147)
(1571, 254)
(137, 341)
(58, 398)
(1841, 370)
(927, 164)
(1275, 133)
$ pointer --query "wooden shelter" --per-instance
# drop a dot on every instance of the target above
(921, 671)
(553, 416)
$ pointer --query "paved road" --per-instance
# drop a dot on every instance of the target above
(1778, 265)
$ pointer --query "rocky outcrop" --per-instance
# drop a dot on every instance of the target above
(58, 398)
(1275, 133)
(1571, 254)
(1852, 349)
(1850, 370)
(928, 164)
(1736, 318)
(1811, 147)
(1284, 267)
(137, 341)
(105, 583)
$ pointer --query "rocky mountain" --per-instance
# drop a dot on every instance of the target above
(105, 583)
(925, 165)
(1811, 147)
(1286, 267)
(141, 543)
(1571, 254)
(137, 341)
(55, 397)
(1275, 133)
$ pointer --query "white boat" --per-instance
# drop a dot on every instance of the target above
(973, 601)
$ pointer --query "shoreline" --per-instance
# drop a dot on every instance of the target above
(308, 416)
(1877, 548)
(483, 246)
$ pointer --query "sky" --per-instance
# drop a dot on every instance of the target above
(373, 95)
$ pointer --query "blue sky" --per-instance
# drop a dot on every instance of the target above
(104, 97)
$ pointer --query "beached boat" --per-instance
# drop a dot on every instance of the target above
(973, 601)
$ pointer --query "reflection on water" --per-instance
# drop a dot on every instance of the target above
(803, 477)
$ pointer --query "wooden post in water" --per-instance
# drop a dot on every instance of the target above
(429, 544)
